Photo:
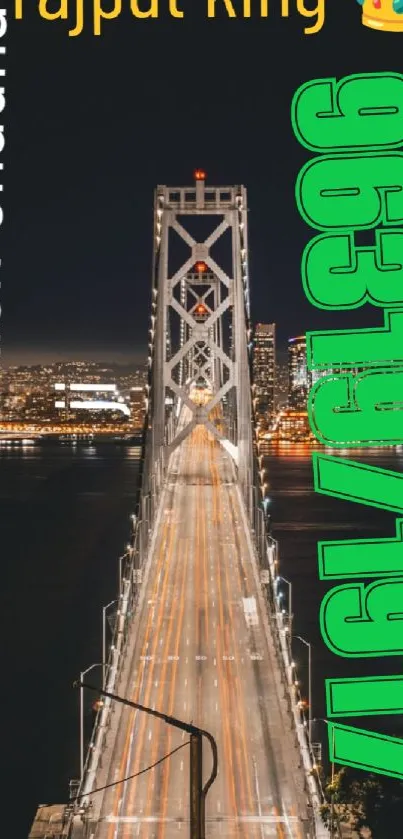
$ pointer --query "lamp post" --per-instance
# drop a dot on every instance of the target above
(307, 644)
(122, 572)
(104, 610)
(82, 674)
(198, 792)
(332, 819)
(280, 577)
(121, 560)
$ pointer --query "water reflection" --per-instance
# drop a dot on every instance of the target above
(300, 518)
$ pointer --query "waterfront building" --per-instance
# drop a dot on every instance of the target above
(299, 377)
(264, 367)
(137, 406)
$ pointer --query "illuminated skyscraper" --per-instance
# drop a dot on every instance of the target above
(264, 366)
(137, 406)
(299, 378)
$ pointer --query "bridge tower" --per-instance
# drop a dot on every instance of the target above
(200, 310)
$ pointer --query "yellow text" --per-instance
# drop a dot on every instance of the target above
(74, 10)
(260, 8)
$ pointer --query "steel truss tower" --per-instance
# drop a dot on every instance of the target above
(200, 308)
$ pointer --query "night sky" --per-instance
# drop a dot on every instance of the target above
(94, 124)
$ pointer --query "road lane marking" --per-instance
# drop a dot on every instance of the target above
(173, 820)
(126, 756)
(240, 737)
(228, 746)
(286, 818)
(257, 792)
(179, 630)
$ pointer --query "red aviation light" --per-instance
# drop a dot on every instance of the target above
(201, 309)
(201, 267)
(199, 175)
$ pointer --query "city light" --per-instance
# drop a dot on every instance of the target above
(32, 403)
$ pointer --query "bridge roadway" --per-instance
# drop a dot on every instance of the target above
(203, 655)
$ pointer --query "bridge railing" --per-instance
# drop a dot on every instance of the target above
(269, 562)
(131, 579)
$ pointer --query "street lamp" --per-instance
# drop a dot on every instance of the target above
(280, 577)
(121, 559)
(198, 792)
(332, 825)
(125, 556)
(104, 610)
(307, 644)
(328, 722)
(82, 674)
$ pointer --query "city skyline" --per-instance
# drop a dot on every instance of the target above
(52, 394)
(45, 355)
(31, 357)
(77, 233)
(27, 392)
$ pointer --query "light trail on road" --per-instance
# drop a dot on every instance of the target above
(201, 654)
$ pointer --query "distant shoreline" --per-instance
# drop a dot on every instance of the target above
(66, 439)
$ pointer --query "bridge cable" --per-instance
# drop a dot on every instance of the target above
(130, 777)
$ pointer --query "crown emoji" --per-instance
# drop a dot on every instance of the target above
(383, 14)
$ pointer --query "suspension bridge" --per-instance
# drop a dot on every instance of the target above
(199, 635)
